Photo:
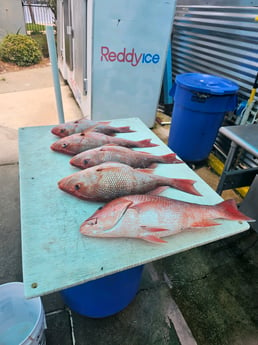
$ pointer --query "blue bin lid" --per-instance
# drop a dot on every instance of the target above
(207, 83)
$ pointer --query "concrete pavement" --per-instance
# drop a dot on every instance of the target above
(207, 295)
(27, 98)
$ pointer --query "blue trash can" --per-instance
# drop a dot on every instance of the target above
(200, 104)
(104, 296)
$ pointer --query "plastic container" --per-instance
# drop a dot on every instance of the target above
(105, 296)
(22, 322)
(200, 104)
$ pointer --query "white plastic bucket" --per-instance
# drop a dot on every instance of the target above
(22, 321)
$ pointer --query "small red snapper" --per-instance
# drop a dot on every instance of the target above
(150, 217)
(81, 125)
(111, 180)
(89, 139)
(112, 153)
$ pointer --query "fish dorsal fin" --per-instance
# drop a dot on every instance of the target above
(103, 123)
(110, 167)
(115, 146)
(146, 153)
(146, 171)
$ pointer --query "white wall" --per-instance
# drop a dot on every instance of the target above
(11, 17)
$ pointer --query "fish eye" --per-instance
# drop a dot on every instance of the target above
(62, 130)
(85, 161)
(100, 208)
(64, 145)
(82, 134)
(77, 187)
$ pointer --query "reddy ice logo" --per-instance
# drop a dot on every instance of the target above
(130, 56)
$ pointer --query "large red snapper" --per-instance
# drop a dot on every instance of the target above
(81, 125)
(89, 139)
(111, 180)
(150, 217)
(112, 153)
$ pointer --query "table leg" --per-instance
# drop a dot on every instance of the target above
(227, 166)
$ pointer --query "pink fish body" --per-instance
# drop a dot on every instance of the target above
(111, 180)
(151, 217)
(89, 139)
(72, 127)
(112, 153)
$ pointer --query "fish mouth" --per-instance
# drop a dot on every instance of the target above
(74, 162)
(60, 132)
(61, 149)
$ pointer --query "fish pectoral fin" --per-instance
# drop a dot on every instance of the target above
(204, 223)
(152, 229)
(109, 168)
(152, 239)
(90, 129)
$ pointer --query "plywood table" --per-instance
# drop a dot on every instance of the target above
(55, 255)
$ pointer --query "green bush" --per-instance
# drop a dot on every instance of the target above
(41, 39)
(20, 49)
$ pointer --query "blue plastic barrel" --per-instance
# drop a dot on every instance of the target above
(105, 296)
(200, 104)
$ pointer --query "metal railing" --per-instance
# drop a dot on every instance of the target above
(37, 15)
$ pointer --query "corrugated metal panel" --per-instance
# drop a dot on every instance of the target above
(219, 40)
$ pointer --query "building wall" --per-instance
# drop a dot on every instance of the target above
(11, 17)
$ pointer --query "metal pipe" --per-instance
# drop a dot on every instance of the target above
(53, 58)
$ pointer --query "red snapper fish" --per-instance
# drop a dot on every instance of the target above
(150, 217)
(71, 127)
(89, 139)
(113, 153)
(111, 180)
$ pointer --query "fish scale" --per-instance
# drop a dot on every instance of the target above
(113, 153)
(108, 180)
(79, 142)
(151, 217)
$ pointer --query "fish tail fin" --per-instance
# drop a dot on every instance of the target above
(145, 143)
(228, 210)
(185, 185)
(170, 158)
(125, 129)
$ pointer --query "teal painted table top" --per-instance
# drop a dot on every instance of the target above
(54, 253)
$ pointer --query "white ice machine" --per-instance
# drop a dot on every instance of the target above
(112, 54)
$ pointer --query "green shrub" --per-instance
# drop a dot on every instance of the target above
(41, 39)
(20, 49)
(35, 27)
